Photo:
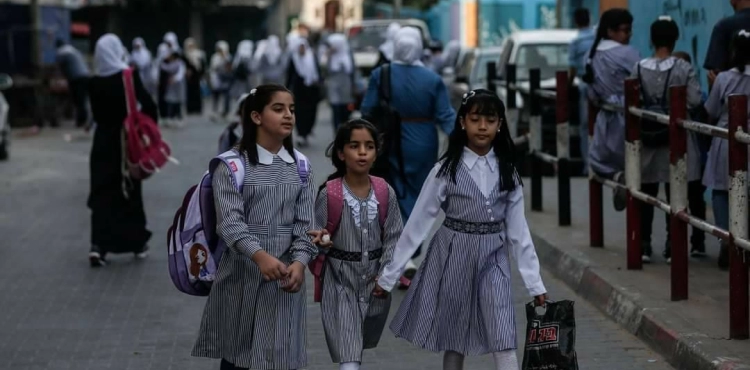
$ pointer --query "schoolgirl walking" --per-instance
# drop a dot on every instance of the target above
(362, 215)
(255, 316)
(460, 300)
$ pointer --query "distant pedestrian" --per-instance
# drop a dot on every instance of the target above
(577, 56)
(718, 55)
(118, 220)
(195, 64)
(141, 59)
(733, 81)
(220, 77)
(268, 62)
(460, 302)
(76, 72)
(340, 83)
(303, 79)
(255, 315)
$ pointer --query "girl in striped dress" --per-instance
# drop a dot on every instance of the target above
(460, 300)
(255, 314)
(353, 319)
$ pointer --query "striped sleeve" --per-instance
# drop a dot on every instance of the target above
(391, 230)
(230, 213)
(302, 249)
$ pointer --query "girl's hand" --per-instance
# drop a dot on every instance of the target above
(321, 238)
(270, 267)
(295, 279)
(379, 292)
(540, 300)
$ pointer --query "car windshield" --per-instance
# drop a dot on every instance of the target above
(549, 58)
(369, 37)
(481, 67)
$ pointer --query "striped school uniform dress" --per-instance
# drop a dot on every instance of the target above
(460, 300)
(353, 320)
(247, 321)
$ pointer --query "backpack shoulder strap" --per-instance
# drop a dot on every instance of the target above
(335, 200)
(130, 99)
(663, 101)
(380, 188)
(235, 162)
(385, 82)
(303, 167)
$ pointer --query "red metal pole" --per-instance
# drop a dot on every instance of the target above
(678, 186)
(633, 173)
(596, 211)
(739, 310)
(563, 148)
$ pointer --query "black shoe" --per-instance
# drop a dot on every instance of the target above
(646, 252)
(96, 257)
(724, 257)
(698, 250)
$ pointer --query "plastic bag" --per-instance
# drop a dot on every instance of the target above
(550, 337)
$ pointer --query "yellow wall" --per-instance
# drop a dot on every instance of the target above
(470, 25)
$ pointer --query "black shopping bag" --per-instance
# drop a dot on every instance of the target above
(550, 337)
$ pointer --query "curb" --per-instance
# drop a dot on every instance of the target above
(683, 351)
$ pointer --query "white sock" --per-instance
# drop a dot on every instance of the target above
(506, 360)
(453, 361)
(349, 366)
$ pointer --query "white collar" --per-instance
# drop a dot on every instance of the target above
(266, 157)
(607, 44)
(746, 72)
(470, 158)
(662, 65)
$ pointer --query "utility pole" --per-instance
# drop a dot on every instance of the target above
(36, 37)
(397, 9)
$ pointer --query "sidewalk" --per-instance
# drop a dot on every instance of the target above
(690, 334)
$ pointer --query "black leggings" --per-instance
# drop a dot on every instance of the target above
(696, 205)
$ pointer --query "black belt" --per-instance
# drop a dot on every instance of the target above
(466, 227)
(353, 256)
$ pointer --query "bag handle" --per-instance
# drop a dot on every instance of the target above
(130, 99)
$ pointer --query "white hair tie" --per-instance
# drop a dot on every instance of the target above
(743, 33)
(665, 18)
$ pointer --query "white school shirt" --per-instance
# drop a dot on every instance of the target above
(483, 170)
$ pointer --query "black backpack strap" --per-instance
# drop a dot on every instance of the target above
(385, 83)
(663, 102)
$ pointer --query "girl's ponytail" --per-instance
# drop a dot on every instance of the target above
(610, 20)
(601, 32)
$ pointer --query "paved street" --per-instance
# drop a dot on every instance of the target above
(57, 313)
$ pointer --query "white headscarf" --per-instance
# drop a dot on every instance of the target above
(171, 40)
(109, 56)
(340, 60)
(217, 59)
(244, 53)
(273, 49)
(141, 57)
(408, 47)
(193, 54)
(304, 64)
(390, 38)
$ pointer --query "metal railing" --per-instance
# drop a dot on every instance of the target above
(678, 125)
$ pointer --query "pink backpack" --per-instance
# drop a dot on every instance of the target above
(335, 195)
(146, 152)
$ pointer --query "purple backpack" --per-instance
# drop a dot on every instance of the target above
(194, 247)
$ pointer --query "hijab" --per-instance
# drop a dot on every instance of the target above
(408, 47)
(340, 59)
(171, 40)
(304, 64)
(194, 55)
(387, 47)
(272, 49)
(109, 56)
(244, 53)
(140, 56)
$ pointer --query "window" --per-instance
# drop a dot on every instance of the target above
(549, 58)
(480, 69)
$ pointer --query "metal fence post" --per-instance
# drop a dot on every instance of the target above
(563, 148)
(633, 173)
(739, 327)
(510, 95)
(596, 210)
(678, 188)
(492, 78)
(535, 126)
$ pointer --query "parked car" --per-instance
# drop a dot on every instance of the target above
(5, 83)
(548, 51)
(449, 72)
(471, 73)
(366, 37)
